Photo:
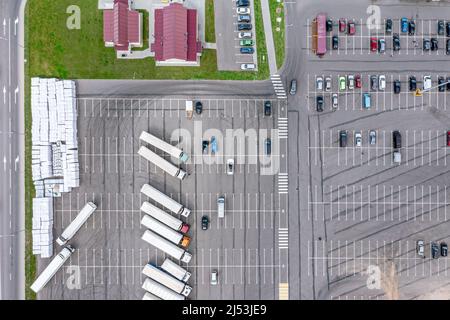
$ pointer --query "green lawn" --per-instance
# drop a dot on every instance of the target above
(210, 31)
(145, 31)
(263, 66)
(277, 10)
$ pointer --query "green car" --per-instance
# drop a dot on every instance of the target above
(342, 83)
(246, 42)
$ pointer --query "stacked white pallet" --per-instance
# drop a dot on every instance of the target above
(42, 225)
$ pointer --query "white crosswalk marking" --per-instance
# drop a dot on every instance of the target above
(283, 183)
(283, 238)
(278, 86)
(283, 128)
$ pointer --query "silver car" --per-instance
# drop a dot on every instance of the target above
(319, 83)
(214, 277)
(372, 137)
(328, 84)
(335, 101)
(358, 139)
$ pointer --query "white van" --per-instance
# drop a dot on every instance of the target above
(221, 207)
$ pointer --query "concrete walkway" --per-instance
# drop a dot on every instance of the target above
(210, 45)
(269, 37)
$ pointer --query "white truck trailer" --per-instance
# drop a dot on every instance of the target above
(149, 296)
(164, 217)
(52, 268)
(164, 146)
(167, 280)
(162, 163)
(175, 270)
(166, 232)
(165, 200)
(161, 291)
(166, 246)
(76, 224)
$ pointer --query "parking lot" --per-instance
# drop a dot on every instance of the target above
(110, 254)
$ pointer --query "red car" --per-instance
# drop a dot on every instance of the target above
(373, 44)
(342, 25)
(351, 27)
(358, 82)
(448, 138)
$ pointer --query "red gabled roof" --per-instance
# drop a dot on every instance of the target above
(175, 33)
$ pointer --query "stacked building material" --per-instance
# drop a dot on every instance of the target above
(42, 227)
(55, 167)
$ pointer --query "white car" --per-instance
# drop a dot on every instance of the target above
(382, 82)
(242, 10)
(351, 81)
(248, 66)
(358, 139)
(420, 247)
(319, 83)
(328, 84)
(244, 35)
(426, 82)
(230, 167)
(214, 277)
(335, 100)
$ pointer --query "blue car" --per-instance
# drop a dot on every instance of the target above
(213, 145)
(404, 25)
(366, 100)
(247, 50)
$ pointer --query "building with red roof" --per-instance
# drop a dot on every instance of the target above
(176, 36)
(122, 27)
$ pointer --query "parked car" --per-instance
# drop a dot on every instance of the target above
(343, 138)
(396, 42)
(434, 250)
(358, 81)
(242, 3)
(335, 41)
(366, 100)
(246, 42)
(213, 145)
(397, 157)
(440, 27)
(243, 18)
(372, 137)
(293, 89)
(358, 139)
(448, 138)
(441, 85)
(244, 35)
(198, 107)
(319, 83)
(374, 82)
(434, 44)
(342, 82)
(242, 10)
(248, 66)
(447, 47)
(334, 101)
(412, 83)
(397, 86)
(351, 81)
(214, 278)
(373, 44)
(230, 167)
(420, 247)
(396, 140)
(404, 25)
(382, 82)
(448, 83)
(411, 28)
(329, 25)
(444, 249)
(351, 27)
(388, 26)
(244, 26)
(447, 28)
(205, 146)
(426, 45)
(267, 108)
(328, 84)
(205, 222)
(426, 82)
(319, 103)
(342, 25)
(381, 46)
(268, 146)
(247, 50)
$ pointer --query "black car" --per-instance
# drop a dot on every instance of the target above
(396, 42)
(267, 108)
(444, 249)
(198, 107)
(440, 27)
(447, 51)
(242, 3)
(319, 103)
(411, 27)
(268, 146)
(397, 86)
(244, 26)
(412, 83)
(205, 222)
(434, 250)
(448, 83)
(293, 89)
(388, 25)
(329, 25)
(335, 41)
(434, 44)
(441, 81)
(205, 146)
(426, 44)
(343, 138)
(247, 50)
(396, 139)
(447, 28)
(374, 83)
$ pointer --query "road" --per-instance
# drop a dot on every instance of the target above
(11, 151)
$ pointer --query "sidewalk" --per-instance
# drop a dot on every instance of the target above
(271, 57)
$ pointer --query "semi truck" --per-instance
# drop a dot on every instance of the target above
(164, 231)
(161, 291)
(166, 246)
(164, 146)
(53, 267)
(163, 164)
(175, 270)
(167, 280)
(164, 217)
(149, 296)
(165, 200)
(76, 224)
